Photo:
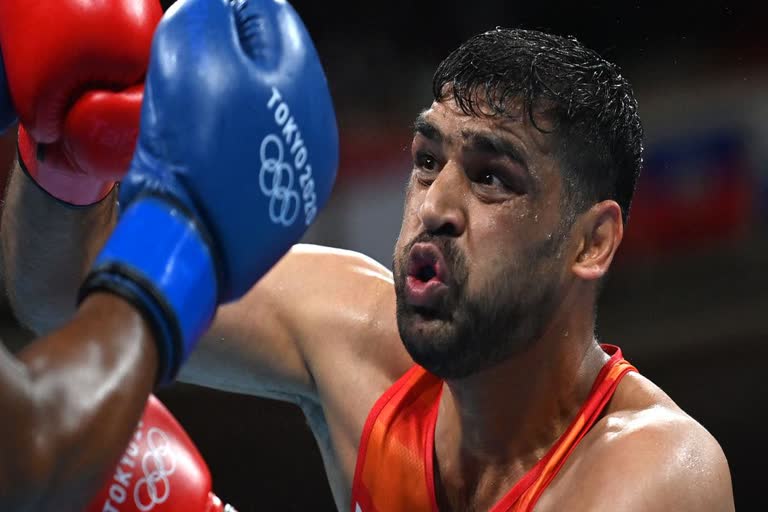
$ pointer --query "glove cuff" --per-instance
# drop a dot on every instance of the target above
(48, 166)
(158, 259)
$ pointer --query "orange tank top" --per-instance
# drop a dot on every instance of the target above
(395, 462)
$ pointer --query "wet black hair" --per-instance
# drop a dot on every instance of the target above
(599, 137)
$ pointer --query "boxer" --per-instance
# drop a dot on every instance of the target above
(73, 74)
(471, 377)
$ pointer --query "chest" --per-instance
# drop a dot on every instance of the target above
(401, 471)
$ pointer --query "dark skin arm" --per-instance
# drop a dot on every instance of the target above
(43, 295)
(71, 401)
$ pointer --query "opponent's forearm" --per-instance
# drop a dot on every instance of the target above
(47, 249)
(70, 403)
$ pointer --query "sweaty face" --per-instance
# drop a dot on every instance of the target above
(478, 262)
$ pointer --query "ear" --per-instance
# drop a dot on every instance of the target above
(602, 231)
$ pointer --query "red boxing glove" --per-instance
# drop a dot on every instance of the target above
(72, 68)
(96, 148)
(161, 471)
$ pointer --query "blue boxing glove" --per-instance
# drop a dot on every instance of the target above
(237, 152)
(7, 112)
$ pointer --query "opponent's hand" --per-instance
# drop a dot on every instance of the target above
(237, 152)
(75, 71)
(161, 471)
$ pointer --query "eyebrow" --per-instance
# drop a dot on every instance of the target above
(427, 129)
(482, 142)
(494, 145)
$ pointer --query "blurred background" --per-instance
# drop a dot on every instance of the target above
(688, 297)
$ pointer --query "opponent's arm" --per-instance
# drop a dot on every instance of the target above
(70, 403)
(47, 250)
(75, 140)
(10, 329)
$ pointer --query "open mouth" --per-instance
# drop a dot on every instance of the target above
(425, 272)
(426, 286)
(426, 264)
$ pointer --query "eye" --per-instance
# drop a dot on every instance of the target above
(495, 182)
(490, 179)
(426, 161)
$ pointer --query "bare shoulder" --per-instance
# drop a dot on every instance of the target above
(317, 275)
(647, 454)
(339, 259)
(349, 300)
(349, 283)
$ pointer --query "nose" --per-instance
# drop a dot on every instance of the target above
(443, 210)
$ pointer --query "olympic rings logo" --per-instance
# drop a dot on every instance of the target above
(157, 464)
(276, 181)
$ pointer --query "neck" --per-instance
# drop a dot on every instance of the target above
(495, 425)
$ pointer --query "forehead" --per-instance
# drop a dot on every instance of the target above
(515, 125)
